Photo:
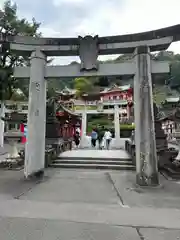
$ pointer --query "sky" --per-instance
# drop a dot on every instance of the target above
(70, 18)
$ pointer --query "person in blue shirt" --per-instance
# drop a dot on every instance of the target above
(94, 136)
(25, 131)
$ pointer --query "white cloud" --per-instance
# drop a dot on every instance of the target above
(1, 3)
(59, 2)
(135, 16)
(110, 17)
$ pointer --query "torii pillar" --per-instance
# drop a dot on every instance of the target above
(146, 156)
(35, 146)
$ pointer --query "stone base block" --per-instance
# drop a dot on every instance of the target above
(117, 143)
(143, 180)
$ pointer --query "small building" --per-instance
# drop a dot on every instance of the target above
(68, 121)
(66, 94)
(168, 107)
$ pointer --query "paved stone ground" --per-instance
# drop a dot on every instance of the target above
(165, 196)
(87, 143)
(87, 204)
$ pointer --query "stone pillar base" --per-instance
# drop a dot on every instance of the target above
(85, 142)
(34, 176)
(116, 143)
(143, 180)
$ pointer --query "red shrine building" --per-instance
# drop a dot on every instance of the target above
(121, 95)
(117, 93)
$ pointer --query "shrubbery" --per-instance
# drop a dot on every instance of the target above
(123, 127)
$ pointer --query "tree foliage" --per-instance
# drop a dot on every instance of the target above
(82, 85)
(10, 24)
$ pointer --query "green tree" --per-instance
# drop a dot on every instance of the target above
(12, 25)
(82, 85)
(173, 80)
(18, 96)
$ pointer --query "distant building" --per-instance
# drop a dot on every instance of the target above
(169, 125)
(171, 102)
(119, 95)
(66, 94)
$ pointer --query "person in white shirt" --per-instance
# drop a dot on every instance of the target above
(107, 138)
(78, 130)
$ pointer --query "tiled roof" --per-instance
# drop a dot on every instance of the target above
(173, 99)
(116, 88)
(66, 91)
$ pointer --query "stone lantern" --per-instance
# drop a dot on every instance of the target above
(13, 136)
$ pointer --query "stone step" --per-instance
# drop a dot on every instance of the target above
(93, 166)
(170, 173)
(101, 158)
(93, 161)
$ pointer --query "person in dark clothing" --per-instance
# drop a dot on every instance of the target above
(101, 132)
(76, 138)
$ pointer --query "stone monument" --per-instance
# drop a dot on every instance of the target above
(161, 138)
(52, 125)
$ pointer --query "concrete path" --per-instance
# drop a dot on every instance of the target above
(85, 205)
(87, 143)
(96, 154)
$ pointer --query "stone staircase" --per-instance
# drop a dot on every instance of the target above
(95, 159)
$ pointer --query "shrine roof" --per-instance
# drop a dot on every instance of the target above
(91, 94)
(172, 99)
(116, 88)
(64, 109)
(66, 91)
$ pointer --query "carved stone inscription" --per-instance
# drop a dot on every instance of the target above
(88, 53)
(36, 87)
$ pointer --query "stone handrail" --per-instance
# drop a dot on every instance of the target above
(176, 135)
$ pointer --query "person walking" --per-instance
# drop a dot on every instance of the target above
(25, 132)
(77, 139)
(94, 136)
(100, 136)
(107, 138)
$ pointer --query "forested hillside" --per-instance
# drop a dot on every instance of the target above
(163, 86)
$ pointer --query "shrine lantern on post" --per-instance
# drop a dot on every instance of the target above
(14, 136)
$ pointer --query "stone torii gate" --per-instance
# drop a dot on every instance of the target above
(100, 110)
(88, 48)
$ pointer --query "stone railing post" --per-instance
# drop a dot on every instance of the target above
(83, 128)
(116, 126)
